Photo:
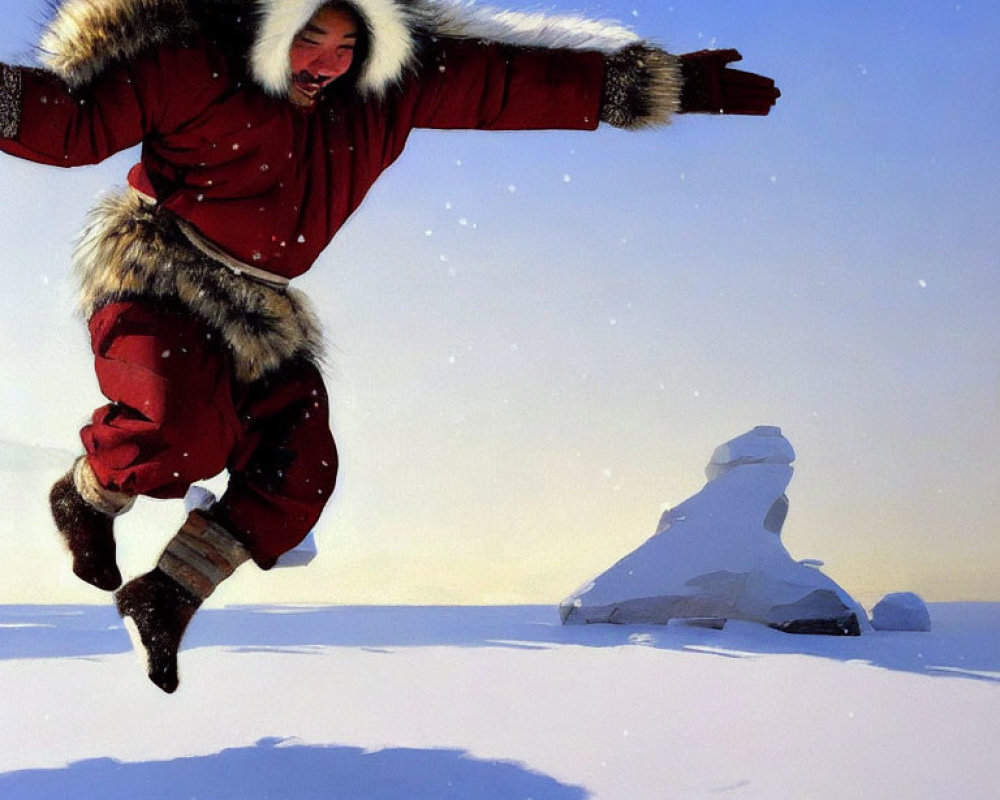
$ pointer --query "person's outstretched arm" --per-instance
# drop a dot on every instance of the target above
(43, 119)
(468, 84)
(496, 87)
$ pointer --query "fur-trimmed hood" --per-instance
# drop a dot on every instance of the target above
(86, 36)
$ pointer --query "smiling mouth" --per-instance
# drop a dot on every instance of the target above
(309, 85)
(306, 87)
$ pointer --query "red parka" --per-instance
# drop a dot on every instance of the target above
(264, 181)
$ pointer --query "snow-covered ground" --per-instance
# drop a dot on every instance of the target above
(496, 702)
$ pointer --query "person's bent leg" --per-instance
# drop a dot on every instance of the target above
(171, 421)
(281, 476)
(284, 469)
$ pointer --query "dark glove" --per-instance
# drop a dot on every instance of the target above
(711, 88)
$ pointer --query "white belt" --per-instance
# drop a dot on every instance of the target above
(234, 265)
(217, 254)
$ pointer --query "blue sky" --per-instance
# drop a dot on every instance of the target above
(539, 338)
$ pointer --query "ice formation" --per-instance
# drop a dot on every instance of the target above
(901, 611)
(719, 556)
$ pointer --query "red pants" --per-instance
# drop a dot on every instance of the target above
(177, 416)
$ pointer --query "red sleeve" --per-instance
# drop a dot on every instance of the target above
(156, 92)
(494, 87)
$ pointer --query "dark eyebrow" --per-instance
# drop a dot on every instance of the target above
(311, 28)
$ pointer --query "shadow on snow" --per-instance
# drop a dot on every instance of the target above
(275, 768)
(964, 642)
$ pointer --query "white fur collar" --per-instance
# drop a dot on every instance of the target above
(392, 25)
(391, 48)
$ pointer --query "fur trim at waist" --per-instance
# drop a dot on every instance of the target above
(130, 250)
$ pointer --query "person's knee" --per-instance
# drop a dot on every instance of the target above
(304, 431)
(198, 439)
(161, 433)
(317, 467)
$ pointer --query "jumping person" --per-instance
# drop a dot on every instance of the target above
(263, 123)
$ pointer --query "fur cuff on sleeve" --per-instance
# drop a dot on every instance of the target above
(642, 87)
(10, 101)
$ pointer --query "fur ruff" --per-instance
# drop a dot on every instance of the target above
(86, 36)
(10, 101)
(395, 27)
(128, 251)
(642, 87)
(462, 20)
(390, 27)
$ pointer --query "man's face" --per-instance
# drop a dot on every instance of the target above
(320, 53)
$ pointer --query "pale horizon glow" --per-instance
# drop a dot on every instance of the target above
(538, 339)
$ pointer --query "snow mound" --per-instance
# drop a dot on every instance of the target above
(901, 611)
(719, 556)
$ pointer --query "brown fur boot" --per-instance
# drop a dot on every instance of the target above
(156, 612)
(157, 607)
(84, 514)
